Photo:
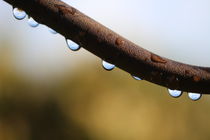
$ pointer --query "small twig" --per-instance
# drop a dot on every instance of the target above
(115, 49)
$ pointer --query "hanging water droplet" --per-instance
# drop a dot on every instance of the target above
(136, 78)
(32, 22)
(72, 45)
(175, 93)
(108, 66)
(194, 96)
(52, 31)
(19, 14)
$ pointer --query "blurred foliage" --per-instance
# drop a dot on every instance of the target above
(93, 104)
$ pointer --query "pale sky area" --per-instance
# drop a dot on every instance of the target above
(176, 29)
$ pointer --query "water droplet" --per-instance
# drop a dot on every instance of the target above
(136, 78)
(32, 22)
(108, 66)
(196, 78)
(194, 96)
(52, 31)
(175, 93)
(119, 41)
(157, 59)
(19, 14)
(72, 45)
(72, 11)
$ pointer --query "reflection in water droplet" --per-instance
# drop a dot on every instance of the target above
(72, 45)
(32, 22)
(108, 66)
(194, 96)
(19, 14)
(175, 93)
(136, 78)
(52, 31)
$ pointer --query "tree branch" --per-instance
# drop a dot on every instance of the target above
(115, 49)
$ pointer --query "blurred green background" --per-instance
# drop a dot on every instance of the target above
(50, 92)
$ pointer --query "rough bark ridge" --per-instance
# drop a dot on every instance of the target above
(115, 49)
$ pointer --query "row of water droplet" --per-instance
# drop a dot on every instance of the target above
(20, 14)
(173, 93)
(177, 93)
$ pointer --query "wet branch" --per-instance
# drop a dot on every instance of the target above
(115, 49)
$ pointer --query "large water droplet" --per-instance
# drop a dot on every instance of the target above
(136, 78)
(194, 96)
(52, 31)
(72, 45)
(108, 66)
(32, 22)
(19, 14)
(175, 93)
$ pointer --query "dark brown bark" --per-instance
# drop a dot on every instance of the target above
(115, 49)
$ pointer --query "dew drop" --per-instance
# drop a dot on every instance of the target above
(196, 78)
(119, 41)
(52, 31)
(157, 59)
(72, 45)
(194, 96)
(72, 11)
(136, 78)
(32, 22)
(108, 66)
(175, 93)
(19, 14)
